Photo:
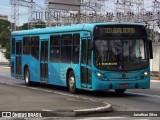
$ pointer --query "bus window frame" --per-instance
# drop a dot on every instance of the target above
(34, 52)
(28, 46)
(55, 46)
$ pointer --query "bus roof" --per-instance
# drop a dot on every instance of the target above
(71, 28)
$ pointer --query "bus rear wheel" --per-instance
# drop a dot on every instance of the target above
(120, 91)
(71, 82)
(27, 77)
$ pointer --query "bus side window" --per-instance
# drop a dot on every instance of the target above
(66, 47)
(13, 45)
(55, 48)
(75, 49)
(35, 46)
(26, 45)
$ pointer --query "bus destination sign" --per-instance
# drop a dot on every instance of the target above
(113, 31)
(119, 30)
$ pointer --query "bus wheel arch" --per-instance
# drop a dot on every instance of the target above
(27, 76)
(71, 81)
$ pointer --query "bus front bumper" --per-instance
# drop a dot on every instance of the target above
(121, 84)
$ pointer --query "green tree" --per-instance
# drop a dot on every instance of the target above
(7, 53)
(24, 26)
(5, 36)
(39, 24)
(4, 24)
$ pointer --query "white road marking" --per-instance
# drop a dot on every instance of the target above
(47, 110)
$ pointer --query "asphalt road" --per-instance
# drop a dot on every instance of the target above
(133, 100)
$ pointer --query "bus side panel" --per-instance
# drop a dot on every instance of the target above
(76, 69)
(25, 62)
(34, 70)
(54, 74)
(63, 71)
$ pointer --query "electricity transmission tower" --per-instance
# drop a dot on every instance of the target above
(15, 4)
(129, 10)
(14, 14)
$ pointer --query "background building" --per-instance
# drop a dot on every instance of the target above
(3, 17)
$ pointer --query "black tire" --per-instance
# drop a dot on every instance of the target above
(27, 77)
(120, 91)
(71, 82)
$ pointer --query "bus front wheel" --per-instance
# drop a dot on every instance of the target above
(27, 77)
(71, 82)
(120, 91)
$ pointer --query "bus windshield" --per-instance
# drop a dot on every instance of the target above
(120, 53)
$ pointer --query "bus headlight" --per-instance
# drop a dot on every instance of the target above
(100, 75)
(145, 73)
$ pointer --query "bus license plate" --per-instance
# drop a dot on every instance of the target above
(123, 85)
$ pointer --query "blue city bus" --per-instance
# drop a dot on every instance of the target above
(91, 56)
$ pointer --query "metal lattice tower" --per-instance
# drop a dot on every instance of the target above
(154, 20)
(14, 14)
(123, 10)
(129, 10)
(156, 10)
(15, 11)
(31, 11)
(139, 9)
(92, 10)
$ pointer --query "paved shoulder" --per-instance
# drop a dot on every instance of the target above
(21, 98)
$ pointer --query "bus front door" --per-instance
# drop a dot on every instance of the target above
(44, 62)
(86, 81)
(18, 59)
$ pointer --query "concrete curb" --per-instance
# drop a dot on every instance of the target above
(106, 108)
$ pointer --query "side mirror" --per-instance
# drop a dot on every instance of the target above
(150, 50)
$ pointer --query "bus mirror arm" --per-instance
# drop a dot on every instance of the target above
(150, 49)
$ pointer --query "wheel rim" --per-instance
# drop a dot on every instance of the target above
(71, 82)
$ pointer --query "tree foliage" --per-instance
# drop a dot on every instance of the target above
(38, 24)
(5, 33)
(5, 36)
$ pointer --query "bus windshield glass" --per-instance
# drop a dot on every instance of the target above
(118, 50)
